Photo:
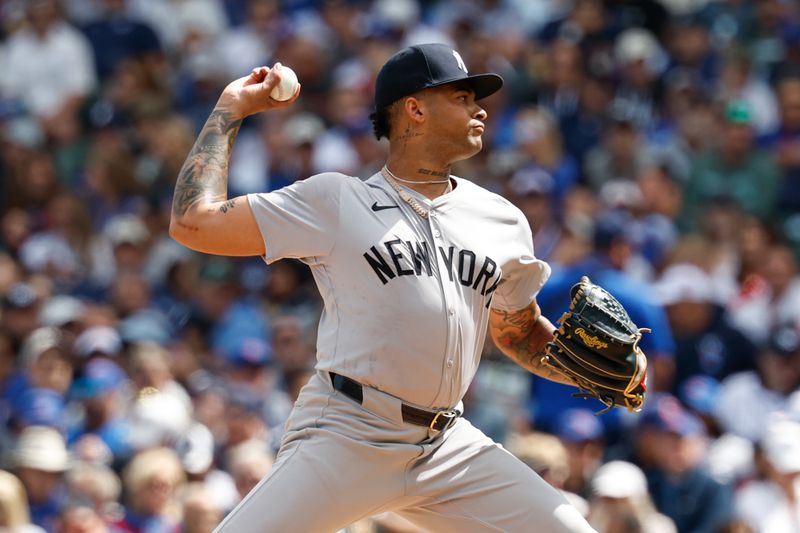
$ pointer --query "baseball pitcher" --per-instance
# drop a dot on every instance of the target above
(413, 264)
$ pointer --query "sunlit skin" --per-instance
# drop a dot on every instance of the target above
(52, 371)
(433, 129)
(154, 495)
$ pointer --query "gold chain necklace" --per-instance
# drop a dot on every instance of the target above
(407, 198)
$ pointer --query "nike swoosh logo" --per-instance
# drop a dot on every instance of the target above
(376, 207)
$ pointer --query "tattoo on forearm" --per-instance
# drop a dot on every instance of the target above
(204, 174)
(522, 336)
(520, 321)
(429, 172)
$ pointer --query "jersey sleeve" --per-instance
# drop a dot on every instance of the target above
(523, 275)
(301, 220)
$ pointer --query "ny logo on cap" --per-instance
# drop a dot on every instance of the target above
(460, 62)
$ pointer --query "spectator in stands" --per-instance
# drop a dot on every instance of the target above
(248, 462)
(244, 420)
(111, 186)
(97, 341)
(38, 407)
(196, 449)
(20, 311)
(156, 419)
(705, 342)
(680, 486)
(14, 515)
(772, 294)
(640, 61)
(115, 38)
(736, 168)
(149, 368)
(787, 142)
(531, 189)
(621, 155)
(290, 344)
(181, 24)
(582, 128)
(250, 371)
(60, 248)
(49, 46)
(546, 455)
(773, 504)
(40, 459)
(152, 480)
(737, 83)
(747, 398)
(101, 390)
(200, 513)
(46, 360)
(543, 453)
(81, 519)
(540, 146)
(253, 42)
(620, 502)
(691, 48)
(583, 438)
(97, 487)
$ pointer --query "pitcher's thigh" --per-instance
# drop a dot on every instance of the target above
(490, 490)
(320, 482)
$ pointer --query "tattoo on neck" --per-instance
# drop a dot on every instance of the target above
(408, 134)
(227, 206)
(429, 172)
(204, 174)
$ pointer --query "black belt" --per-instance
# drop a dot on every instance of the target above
(435, 420)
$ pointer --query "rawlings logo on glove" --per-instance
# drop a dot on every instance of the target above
(596, 348)
(588, 340)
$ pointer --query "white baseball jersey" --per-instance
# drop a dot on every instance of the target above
(406, 299)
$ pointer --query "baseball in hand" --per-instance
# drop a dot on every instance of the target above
(287, 86)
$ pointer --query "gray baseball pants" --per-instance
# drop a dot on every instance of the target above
(340, 461)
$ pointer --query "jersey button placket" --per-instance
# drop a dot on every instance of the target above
(450, 296)
(433, 215)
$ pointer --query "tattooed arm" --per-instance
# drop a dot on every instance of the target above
(203, 218)
(522, 335)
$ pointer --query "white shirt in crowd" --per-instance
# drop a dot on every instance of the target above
(744, 404)
(766, 509)
(756, 314)
(44, 72)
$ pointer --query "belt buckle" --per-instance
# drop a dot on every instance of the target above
(450, 415)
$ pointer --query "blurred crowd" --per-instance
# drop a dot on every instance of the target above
(654, 145)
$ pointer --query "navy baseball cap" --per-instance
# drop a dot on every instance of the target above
(784, 340)
(578, 425)
(664, 412)
(424, 66)
(249, 352)
(700, 393)
(99, 377)
(611, 226)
